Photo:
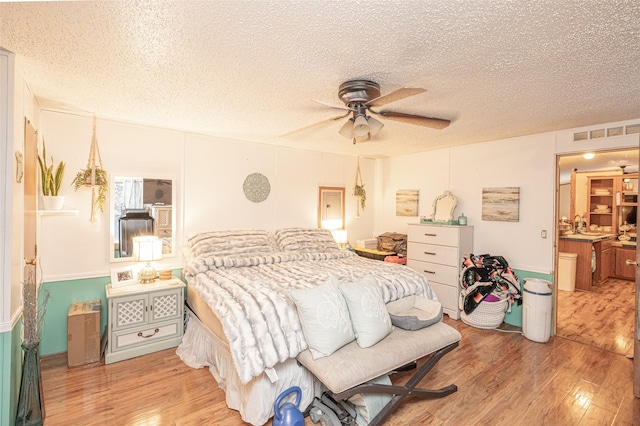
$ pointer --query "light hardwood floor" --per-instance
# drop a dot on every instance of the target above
(502, 378)
(602, 318)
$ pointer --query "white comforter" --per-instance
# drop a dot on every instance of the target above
(248, 293)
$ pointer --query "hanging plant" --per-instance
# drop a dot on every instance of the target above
(101, 183)
(359, 192)
(95, 177)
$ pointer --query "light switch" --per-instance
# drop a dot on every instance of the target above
(543, 233)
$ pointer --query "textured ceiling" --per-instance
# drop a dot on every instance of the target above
(248, 69)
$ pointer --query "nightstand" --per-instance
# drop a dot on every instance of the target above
(144, 318)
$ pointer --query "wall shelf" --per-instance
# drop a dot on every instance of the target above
(57, 212)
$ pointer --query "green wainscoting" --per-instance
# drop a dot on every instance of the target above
(62, 295)
(10, 373)
(515, 316)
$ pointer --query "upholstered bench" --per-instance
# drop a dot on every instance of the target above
(346, 371)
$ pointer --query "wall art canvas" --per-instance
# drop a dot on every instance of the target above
(501, 204)
(407, 202)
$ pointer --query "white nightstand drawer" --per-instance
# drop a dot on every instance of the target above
(441, 235)
(127, 339)
(444, 255)
(435, 272)
(448, 298)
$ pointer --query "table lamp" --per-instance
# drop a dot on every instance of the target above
(340, 235)
(147, 248)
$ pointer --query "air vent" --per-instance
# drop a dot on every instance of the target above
(601, 133)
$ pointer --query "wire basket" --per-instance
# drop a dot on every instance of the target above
(487, 315)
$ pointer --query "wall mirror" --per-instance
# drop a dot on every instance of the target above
(141, 206)
(443, 207)
(331, 207)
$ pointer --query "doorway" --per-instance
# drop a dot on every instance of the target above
(604, 316)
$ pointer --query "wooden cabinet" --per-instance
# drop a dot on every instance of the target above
(436, 251)
(584, 250)
(601, 202)
(611, 199)
(604, 259)
(621, 269)
(144, 318)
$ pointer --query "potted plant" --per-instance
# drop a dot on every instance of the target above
(51, 179)
(99, 182)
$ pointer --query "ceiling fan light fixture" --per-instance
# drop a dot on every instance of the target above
(360, 127)
(374, 125)
(347, 129)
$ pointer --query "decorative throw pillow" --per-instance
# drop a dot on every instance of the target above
(305, 240)
(324, 317)
(369, 315)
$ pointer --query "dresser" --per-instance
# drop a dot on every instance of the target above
(144, 318)
(436, 251)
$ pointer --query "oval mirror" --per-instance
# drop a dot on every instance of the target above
(443, 207)
(140, 206)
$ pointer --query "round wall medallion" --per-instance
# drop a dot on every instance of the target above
(256, 187)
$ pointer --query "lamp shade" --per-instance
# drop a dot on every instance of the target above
(340, 235)
(147, 248)
(360, 127)
(332, 224)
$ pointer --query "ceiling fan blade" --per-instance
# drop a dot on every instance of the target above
(330, 105)
(418, 120)
(337, 117)
(396, 95)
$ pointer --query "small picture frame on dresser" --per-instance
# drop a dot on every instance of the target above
(121, 277)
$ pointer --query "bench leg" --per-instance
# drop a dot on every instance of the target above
(402, 392)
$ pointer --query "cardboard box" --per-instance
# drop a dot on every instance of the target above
(83, 333)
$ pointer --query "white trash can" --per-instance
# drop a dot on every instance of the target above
(536, 309)
(567, 271)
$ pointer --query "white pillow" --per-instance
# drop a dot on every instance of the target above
(324, 317)
(369, 315)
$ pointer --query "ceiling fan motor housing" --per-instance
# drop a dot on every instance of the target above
(358, 91)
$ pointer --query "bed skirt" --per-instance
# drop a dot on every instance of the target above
(254, 400)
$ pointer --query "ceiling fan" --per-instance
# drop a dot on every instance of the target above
(359, 96)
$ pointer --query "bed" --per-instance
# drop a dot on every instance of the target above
(244, 326)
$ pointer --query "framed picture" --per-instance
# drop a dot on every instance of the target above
(123, 276)
(501, 204)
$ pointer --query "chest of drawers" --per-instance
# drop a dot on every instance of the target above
(436, 251)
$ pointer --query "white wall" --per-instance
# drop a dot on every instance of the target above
(527, 162)
(215, 170)
(208, 173)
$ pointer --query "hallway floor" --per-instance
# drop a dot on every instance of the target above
(602, 318)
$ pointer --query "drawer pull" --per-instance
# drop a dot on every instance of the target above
(428, 272)
(430, 235)
(429, 252)
(151, 335)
